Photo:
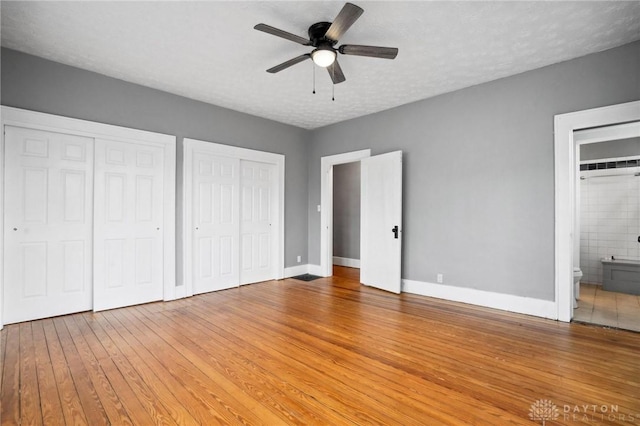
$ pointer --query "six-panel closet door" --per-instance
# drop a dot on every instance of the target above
(84, 223)
(48, 224)
(216, 222)
(258, 213)
(233, 210)
(128, 224)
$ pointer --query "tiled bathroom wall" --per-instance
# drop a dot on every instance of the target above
(609, 215)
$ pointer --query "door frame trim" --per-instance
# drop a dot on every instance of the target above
(566, 169)
(185, 288)
(11, 116)
(326, 204)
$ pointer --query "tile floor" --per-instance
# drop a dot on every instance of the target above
(607, 308)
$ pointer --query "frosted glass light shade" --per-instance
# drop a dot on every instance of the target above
(323, 57)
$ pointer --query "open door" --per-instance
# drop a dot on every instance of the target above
(381, 221)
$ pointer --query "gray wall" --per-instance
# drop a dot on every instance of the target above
(346, 210)
(478, 163)
(610, 149)
(479, 171)
(37, 84)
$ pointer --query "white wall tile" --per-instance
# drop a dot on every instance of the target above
(610, 221)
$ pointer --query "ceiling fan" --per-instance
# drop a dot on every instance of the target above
(324, 36)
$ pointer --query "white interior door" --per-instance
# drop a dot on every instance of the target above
(381, 221)
(48, 220)
(215, 222)
(258, 212)
(128, 235)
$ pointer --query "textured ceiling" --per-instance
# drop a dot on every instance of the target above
(209, 51)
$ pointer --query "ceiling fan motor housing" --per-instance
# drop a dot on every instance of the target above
(317, 32)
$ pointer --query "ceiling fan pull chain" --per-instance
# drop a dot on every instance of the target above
(314, 77)
(333, 86)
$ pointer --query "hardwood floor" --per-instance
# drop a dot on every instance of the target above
(348, 273)
(327, 352)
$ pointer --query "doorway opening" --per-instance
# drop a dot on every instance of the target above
(566, 167)
(326, 207)
(380, 218)
(346, 219)
(607, 221)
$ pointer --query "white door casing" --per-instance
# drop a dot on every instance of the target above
(215, 232)
(565, 185)
(381, 221)
(48, 217)
(192, 148)
(128, 224)
(257, 212)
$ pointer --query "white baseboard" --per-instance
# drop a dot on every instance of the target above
(302, 269)
(293, 271)
(505, 302)
(315, 270)
(345, 261)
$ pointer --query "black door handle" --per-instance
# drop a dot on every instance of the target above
(395, 232)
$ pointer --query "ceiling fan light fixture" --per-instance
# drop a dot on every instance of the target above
(323, 56)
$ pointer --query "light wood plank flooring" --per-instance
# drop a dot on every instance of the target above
(326, 352)
(611, 309)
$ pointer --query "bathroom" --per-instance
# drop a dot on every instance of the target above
(608, 214)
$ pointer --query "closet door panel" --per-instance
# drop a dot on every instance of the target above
(128, 237)
(258, 207)
(48, 226)
(215, 222)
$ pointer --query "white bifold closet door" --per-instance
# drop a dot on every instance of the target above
(128, 217)
(48, 224)
(233, 210)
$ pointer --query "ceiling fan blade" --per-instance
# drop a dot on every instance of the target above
(337, 76)
(372, 51)
(289, 63)
(347, 16)
(280, 33)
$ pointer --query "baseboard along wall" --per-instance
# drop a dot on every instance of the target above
(345, 261)
(487, 299)
(505, 302)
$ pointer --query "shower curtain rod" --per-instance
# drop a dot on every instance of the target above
(622, 174)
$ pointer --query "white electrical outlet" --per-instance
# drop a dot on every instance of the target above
(299, 259)
(318, 207)
(440, 278)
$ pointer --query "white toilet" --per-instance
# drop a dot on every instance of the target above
(577, 275)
